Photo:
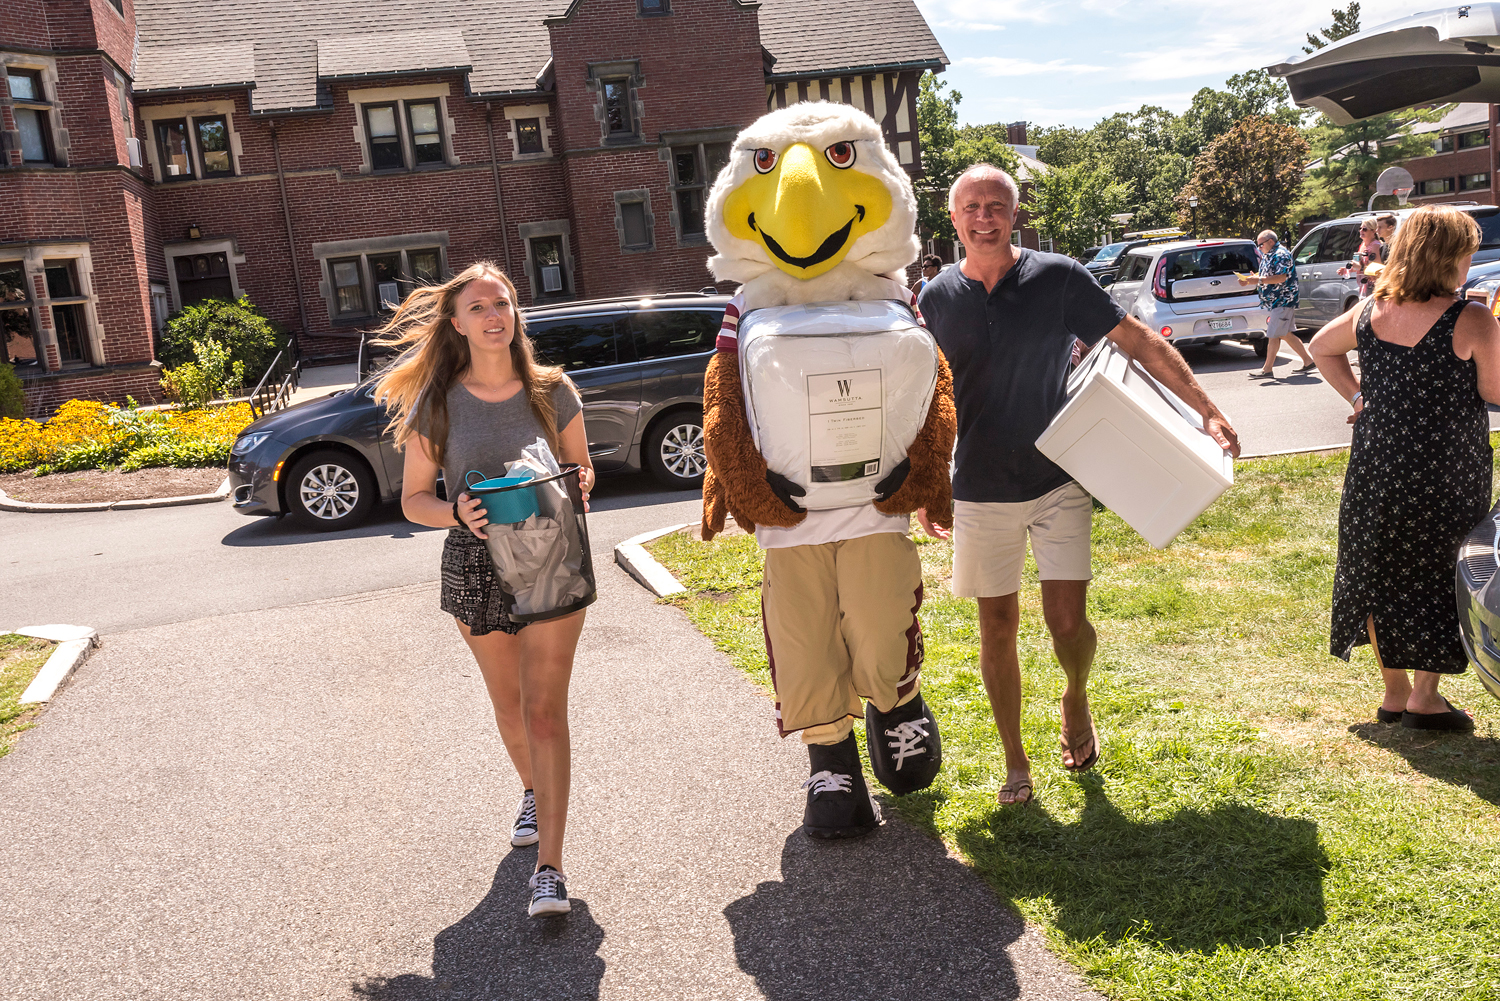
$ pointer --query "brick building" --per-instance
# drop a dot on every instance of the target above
(1463, 160)
(322, 158)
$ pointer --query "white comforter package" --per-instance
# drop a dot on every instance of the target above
(1136, 447)
(835, 393)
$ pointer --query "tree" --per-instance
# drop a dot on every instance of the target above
(1348, 158)
(1247, 179)
(249, 336)
(1345, 23)
(947, 150)
(1073, 205)
(1255, 92)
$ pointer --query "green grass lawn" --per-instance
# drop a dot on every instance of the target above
(1250, 832)
(20, 659)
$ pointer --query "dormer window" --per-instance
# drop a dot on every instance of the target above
(402, 133)
(385, 137)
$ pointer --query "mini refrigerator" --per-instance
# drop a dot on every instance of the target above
(1136, 447)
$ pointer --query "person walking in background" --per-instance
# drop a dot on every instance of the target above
(1370, 251)
(468, 394)
(931, 265)
(1277, 283)
(1420, 470)
(1007, 319)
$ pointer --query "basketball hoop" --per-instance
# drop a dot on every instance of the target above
(1402, 194)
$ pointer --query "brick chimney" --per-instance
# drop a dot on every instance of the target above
(1015, 133)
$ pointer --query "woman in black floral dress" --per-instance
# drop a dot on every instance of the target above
(1419, 472)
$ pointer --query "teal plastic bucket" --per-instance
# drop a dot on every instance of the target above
(505, 499)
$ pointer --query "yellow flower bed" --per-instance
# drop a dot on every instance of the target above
(187, 437)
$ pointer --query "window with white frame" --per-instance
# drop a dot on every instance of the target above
(374, 280)
(403, 133)
(33, 114)
(16, 322)
(693, 169)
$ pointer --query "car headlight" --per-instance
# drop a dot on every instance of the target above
(245, 442)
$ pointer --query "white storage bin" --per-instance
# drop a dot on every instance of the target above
(835, 393)
(1136, 447)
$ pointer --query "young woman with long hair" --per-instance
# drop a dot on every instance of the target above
(466, 394)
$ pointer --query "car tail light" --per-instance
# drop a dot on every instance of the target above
(1166, 331)
(1159, 279)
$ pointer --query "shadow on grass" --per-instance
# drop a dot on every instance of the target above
(1459, 759)
(890, 915)
(1229, 875)
(497, 952)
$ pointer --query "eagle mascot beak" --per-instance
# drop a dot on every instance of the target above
(807, 206)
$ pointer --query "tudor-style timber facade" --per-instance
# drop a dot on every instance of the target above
(322, 159)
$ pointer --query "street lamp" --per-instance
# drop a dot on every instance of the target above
(1193, 204)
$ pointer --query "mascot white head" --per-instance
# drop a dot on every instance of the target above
(811, 206)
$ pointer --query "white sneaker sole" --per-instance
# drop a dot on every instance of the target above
(522, 840)
(549, 908)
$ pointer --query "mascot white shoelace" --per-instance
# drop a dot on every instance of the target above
(828, 420)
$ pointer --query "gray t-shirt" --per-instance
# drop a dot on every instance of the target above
(486, 436)
(1009, 350)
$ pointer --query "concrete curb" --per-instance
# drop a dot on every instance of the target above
(632, 556)
(74, 644)
(1298, 451)
(8, 503)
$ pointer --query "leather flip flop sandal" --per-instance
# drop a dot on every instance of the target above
(1014, 788)
(1454, 720)
(1385, 715)
(1093, 758)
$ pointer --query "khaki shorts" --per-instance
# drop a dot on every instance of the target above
(841, 626)
(1281, 322)
(989, 541)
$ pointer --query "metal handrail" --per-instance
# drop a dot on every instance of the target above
(274, 391)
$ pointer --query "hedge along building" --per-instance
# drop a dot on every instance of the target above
(322, 159)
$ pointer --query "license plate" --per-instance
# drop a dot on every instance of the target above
(1220, 324)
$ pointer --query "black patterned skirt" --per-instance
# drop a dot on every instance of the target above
(470, 589)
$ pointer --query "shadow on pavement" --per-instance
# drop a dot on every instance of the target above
(887, 916)
(1459, 759)
(385, 521)
(1192, 882)
(497, 953)
(615, 492)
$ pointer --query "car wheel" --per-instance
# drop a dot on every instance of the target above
(674, 450)
(1260, 345)
(330, 490)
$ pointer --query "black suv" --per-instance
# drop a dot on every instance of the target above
(638, 364)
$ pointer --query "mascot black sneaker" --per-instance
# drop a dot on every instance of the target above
(839, 805)
(905, 748)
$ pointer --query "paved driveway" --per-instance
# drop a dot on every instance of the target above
(279, 778)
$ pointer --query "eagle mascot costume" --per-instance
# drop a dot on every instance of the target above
(815, 218)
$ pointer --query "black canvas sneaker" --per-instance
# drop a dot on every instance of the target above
(549, 897)
(839, 805)
(524, 832)
(905, 748)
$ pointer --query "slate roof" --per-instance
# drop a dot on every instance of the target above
(285, 47)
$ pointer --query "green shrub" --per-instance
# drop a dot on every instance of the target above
(250, 337)
(193, 384)
(184, 454)
(12, 397)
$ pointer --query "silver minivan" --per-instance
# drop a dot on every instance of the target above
(1323, 295)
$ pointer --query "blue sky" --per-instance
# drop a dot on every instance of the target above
(1073, 62)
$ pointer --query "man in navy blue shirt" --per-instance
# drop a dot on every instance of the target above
(1006, 319)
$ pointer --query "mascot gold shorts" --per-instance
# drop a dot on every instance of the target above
(841, 626)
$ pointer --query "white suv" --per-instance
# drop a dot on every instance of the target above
(1187, 291)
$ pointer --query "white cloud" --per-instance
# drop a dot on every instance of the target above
(991, 12)
(1003, 66)
(969, 26)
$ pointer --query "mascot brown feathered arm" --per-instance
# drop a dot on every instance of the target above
(736, 477)
(928, 484)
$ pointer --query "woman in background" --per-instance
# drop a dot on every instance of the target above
(468, 394)
(1420, 468)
